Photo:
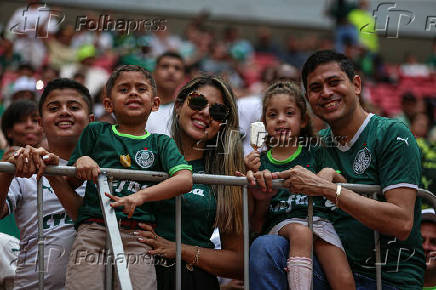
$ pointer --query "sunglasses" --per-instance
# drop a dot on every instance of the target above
(197, 102)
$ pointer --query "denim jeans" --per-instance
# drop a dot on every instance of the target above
(268, 256)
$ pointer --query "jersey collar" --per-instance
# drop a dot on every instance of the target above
(287, 160)
(356, 136)
(114, 129)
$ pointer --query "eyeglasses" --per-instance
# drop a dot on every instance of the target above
(197, 102)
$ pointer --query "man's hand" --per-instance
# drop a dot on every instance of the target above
(301, 180)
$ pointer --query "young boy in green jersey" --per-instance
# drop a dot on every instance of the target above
(131, 97)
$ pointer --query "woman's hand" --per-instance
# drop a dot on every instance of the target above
(159, 245)
(252, 161)
(87, 169)
(301, 180)
(129, 203)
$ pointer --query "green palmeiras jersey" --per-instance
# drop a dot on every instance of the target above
(111, 149)
(198, 213)
(383, 152)
(286, 205)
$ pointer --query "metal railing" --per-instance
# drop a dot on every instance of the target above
(114, 236)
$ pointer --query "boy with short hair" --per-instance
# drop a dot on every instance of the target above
(65, 109)
(131, 96)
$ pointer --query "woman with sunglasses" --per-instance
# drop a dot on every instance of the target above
(205, 128)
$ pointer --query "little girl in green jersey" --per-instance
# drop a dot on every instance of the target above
(287, 123)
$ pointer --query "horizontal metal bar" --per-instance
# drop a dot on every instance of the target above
(199, 179)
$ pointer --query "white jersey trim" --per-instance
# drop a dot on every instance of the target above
(356, 136)
(389, 187)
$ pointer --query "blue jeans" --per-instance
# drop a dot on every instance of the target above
(268, 256)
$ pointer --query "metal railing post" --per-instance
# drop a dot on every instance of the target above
(377, 254)
(109, 256)
(40, 213)
(114, 234)
(310, 223)
(178, 242)
(246, 238)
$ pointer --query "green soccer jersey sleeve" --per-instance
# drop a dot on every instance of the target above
(399, 158)
(171, 158)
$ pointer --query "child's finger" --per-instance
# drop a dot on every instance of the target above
(116, 204)
(112, 197)
(240, 174)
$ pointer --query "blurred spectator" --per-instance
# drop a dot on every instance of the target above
(240, 49)
(293, 54)
(428, 232)
(365, 62)
(9, 249)
(420, 126)
(47, 74)
(381, 73)
(8, 58)
(345, 32)
(24, 88)
(168, 75)
(364, 24)
(60, 52)
(101, 40)
(28, 27)
(411, 67)
(431, 61)
(162, 41)
(141, 55)
(264, 42)
(408, 107)
(217, 62)
(95, 77)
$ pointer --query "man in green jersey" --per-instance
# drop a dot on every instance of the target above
(371, 150)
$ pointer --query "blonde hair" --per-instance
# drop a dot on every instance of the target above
(224, 158)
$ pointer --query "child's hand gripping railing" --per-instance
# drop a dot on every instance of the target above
(197, 178)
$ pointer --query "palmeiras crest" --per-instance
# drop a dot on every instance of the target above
(362, 161)
(144, 158)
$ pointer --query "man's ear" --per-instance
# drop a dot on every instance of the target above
(107, 103)
(357, 82)
(91, 118)
(155, 104)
